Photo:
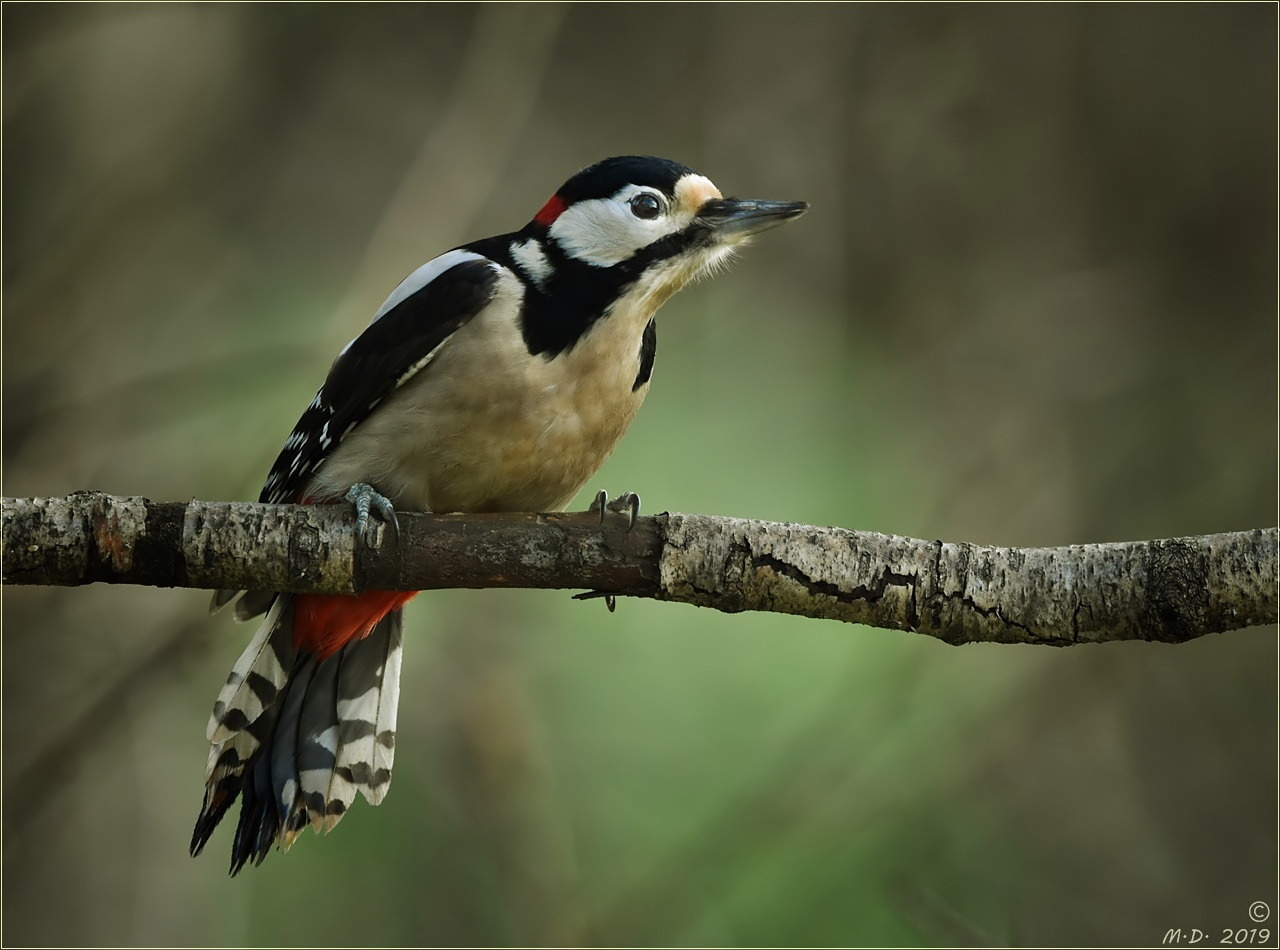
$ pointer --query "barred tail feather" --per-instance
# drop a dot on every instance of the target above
(250, 604)
(295, 735)
(256, 679)
(318, 752)
(283, 752)
(384, 738)
(244, 716)
(368, 694)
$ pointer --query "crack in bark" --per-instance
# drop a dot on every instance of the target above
(995, 611)
(868, 594)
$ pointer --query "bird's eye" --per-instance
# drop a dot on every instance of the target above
(646, 205)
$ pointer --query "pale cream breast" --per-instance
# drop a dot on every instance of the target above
(487, 426)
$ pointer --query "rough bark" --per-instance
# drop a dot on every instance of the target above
(1167, 590)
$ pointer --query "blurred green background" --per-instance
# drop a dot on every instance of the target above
(1034, 303)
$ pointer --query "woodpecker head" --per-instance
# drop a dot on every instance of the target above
(636, 213)
(628, 233)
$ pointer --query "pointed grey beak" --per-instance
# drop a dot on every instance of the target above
(732, 219)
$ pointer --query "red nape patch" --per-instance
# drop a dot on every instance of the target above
(550, 211)
(325, 623)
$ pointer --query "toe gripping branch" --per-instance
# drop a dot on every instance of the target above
(366, 498)
(627, 503)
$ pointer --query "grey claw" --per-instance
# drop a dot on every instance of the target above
(600, 503)
(387, 511)
(628, 502)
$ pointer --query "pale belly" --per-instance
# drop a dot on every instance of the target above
(516, 447)
(494, 428)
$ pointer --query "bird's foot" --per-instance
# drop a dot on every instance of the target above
(366, 498)
(627, 503)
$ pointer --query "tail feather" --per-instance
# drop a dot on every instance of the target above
(384, 738)
(286, 741)
(250, 604)
(256, 679)
(243, 718)
(253, 602)
(318, 751)
(366, 680)
(256, 828)
(295, 736)
(224, 776)
(221, 598)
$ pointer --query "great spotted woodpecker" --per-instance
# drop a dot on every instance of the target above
(496, 377)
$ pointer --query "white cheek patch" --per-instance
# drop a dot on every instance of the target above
(604, 231)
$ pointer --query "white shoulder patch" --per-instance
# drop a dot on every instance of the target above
(532, 259)
(425, 275)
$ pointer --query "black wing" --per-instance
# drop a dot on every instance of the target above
(399, 343)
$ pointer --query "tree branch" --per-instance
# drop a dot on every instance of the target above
(1168, 590)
